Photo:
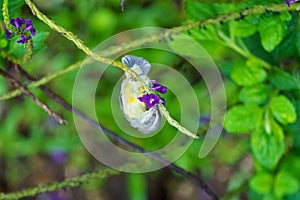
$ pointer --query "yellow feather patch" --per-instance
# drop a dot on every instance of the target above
(131, 100)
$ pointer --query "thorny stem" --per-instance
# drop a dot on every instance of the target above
(31, 96)
(119, 139)
(80, 45)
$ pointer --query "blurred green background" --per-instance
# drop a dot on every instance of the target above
(35, 150)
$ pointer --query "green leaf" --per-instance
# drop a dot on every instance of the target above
(288, 46)
(3, 43)
(185, 46)
(283, 80)
(270, 196)
(285, 16)
(285, 184)
(262, 183)
(18, 50)
(291, 163)
(254, 94)
(208, 34)
(283, 110)
(276, 129)
(242, 118)
(38, 41)
(272, 30)
(14, 8)
(199, 10)
(267, 122)
(267, 148)
(249, 74)
(297, 41)
(242, 28)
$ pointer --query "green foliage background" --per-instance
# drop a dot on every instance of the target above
(258, 154)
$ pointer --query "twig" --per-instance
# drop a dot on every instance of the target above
(114, 50)
(119, 139)
(73, 182)
(41, 81)
(32, 96)
(81, 45)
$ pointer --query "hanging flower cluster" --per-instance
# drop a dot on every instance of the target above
(153, 99)
(22, 28)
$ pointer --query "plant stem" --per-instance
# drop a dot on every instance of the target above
(42, 81)
(6, 15)
(73, 182)
(116, 137)
(229, 42)
(31, 96)
(113, 50)
(80, 45)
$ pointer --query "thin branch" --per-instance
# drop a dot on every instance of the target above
(122, 141)
(41, 81)
(113, 50)
(73, 182)
(32, 96)
(80, 45)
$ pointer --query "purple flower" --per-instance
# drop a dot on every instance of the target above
(51, 196)
(22, 31)
(18, 22)
(7, 32)
(29, 27)
(59, 156)
(152, 99)
(289, 2)
(24, 39)
(158, 87)
(163, 101)
(205, 119)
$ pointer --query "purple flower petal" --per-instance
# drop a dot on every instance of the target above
(12, 21)
(18, 22)
(289, 2)
(152, 99)
(7, 32)
(24, 39)
(163, 101)
(158, 87)
(32, 30)
(205, 119)
(51, 196)
(29, 27)
(59, 156)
